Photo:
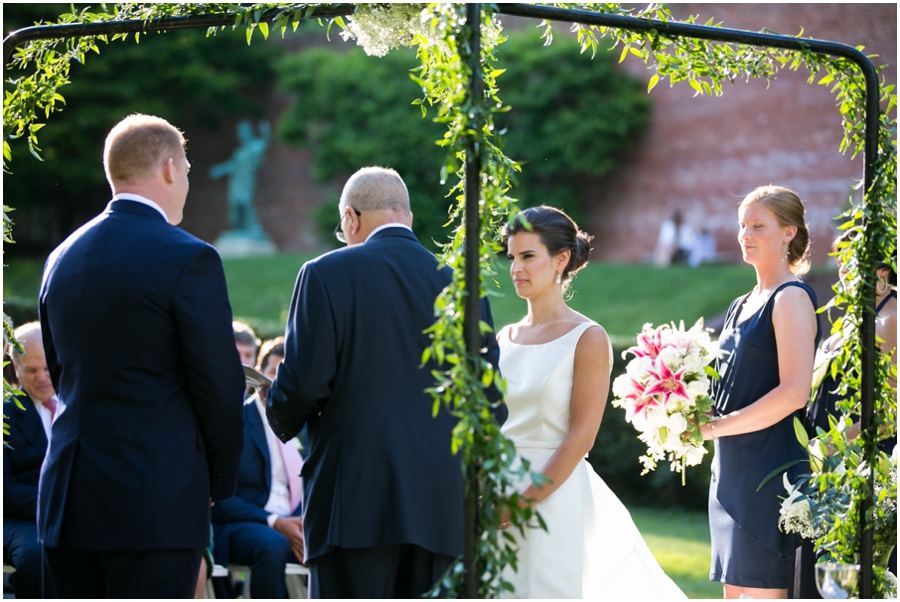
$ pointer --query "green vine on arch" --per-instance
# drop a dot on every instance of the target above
(440, 34)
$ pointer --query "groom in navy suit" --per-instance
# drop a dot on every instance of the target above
(137, 332)
(383, 493)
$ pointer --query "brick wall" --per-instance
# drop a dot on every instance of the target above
(702, 155)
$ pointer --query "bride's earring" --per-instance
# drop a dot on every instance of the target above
(881, 285)
(558, 277)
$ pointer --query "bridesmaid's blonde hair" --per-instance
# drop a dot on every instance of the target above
(788, 210)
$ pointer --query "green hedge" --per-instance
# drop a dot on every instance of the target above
(569, 116)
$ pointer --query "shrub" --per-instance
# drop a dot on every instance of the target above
(570, 116)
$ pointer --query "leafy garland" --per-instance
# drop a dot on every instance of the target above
(440, 33)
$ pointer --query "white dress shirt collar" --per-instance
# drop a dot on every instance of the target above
(128, 196)
(44, 413)
(383, 226)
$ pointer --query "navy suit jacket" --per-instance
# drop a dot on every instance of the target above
(380, 469)
(254, 482)
(22, 463)
(137, 333)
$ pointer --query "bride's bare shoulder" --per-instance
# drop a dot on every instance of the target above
(594, 345)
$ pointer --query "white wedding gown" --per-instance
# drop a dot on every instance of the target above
(591, 548)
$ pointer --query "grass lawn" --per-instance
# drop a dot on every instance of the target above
(680, 542)
(620, 297)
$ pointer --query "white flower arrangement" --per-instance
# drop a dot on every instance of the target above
(379, 28)
(797, 511)
(807, 510)
(665, 392)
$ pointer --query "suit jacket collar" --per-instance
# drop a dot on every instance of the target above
(395, 232)
(258, 434)
(31, 425)
(128, 206)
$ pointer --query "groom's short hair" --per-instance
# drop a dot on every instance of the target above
(376, 189)
(137, 145)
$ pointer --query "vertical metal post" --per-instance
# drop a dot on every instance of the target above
(472, 315)
(867, 342)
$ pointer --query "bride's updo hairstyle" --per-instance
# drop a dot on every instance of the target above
(788, 210)
(557, 232)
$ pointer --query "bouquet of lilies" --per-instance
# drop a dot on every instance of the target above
(665, 392)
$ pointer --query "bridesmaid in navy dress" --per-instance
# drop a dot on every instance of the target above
(769, 343)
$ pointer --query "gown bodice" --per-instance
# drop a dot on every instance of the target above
(539, 388)
(591, 548)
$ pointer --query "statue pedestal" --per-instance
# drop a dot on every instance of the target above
(241, 243)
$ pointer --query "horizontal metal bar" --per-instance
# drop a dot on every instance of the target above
(74, 30)
(679, 29)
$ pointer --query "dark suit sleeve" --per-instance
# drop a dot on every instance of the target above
(214, 373)
(46, 335)
(238, 510)
(305, 377)
(19, 499)
(491, 355)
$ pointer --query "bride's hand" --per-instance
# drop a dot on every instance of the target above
(505, 514)
(504, 519)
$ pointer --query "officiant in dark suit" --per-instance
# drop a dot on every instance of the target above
(137, 332)
(383, 493)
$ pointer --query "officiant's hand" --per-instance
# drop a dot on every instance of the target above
(292, 528)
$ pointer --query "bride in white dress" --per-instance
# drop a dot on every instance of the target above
(557, 363)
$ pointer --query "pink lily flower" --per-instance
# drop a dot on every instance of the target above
(666, 383)
(640, 400)
(649, 344)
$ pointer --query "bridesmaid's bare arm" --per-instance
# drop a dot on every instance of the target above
(794, 320)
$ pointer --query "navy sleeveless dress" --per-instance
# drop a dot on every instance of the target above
(748, 549)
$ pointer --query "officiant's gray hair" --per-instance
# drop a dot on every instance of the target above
(375, 189)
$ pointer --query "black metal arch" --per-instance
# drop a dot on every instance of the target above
(473, 167)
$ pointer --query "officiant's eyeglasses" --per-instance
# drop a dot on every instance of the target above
(338, 233)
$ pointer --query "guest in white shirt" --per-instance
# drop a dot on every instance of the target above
(260, 526)
(29, 433)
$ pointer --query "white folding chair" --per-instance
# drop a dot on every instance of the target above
(293, 577)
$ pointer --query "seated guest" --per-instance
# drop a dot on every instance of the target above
(246, 342)
(29, 432)
(260, 526)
